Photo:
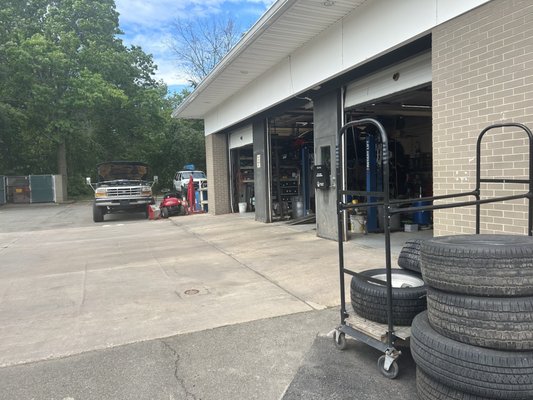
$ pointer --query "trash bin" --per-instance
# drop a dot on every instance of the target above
(422, 217)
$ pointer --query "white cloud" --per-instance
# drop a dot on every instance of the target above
(155, 43)
(147, 23)
(147, 12)
(169, 73)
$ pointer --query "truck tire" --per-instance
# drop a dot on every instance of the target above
(409, 257)
(481, 372)
(504, 323)
(369, 299)
(479, 265)
(430, 389)
(98, 213)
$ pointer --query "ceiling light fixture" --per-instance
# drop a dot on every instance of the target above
(328, 3)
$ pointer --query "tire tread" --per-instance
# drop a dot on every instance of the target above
(481, 265)
(470, 369)
(370, 300)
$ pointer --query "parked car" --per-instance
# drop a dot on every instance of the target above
(181, 180)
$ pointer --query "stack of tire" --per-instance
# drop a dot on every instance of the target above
(369, 298)
(475, 341)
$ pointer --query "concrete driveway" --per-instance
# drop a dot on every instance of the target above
(69, 286)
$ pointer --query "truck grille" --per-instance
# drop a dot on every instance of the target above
(123, 191)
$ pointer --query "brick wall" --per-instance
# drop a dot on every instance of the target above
(482, 74)
(216, 150)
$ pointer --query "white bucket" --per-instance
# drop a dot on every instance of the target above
(242, 208)
(298, 209)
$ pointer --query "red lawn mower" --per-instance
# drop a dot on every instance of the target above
(172, 204)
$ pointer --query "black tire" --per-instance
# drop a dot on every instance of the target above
(479, 265)
(504, 323)
(430, 389)
(98, 214)
(481, 372)
(164, 212)
(409, 257)
(369, 300)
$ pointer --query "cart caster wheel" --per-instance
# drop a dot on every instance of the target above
(393, 369)
(340, 340)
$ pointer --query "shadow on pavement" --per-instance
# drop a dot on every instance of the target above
(329, 373)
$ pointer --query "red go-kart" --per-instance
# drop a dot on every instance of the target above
(172, 204)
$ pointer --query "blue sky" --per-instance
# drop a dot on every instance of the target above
(147, 23)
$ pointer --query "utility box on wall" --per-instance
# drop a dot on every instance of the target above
(322, 173)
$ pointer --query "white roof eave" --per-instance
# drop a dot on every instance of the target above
(235, 71)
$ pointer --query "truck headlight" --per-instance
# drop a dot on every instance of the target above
(146, 191)
(100, 192)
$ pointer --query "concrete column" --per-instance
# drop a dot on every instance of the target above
(327, 121)
(216, 150)
(59, 189)
(261, 172)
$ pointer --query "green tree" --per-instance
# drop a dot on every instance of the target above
(182, 142)
(71, 93)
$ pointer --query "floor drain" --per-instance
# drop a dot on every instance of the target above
(190, 292)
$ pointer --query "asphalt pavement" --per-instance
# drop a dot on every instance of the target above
(193, 307)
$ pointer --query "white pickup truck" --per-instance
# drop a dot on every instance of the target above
(121, 186)
(181, 181)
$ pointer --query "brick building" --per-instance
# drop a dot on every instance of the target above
(433, 72)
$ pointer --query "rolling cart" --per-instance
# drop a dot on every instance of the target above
(386, 337)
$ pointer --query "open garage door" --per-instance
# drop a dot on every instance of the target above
(242, 184)
(415, 72)
(400, 98)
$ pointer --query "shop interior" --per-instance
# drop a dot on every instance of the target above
(242, 171)
(292, 159)
(406, 118)
(292, 151)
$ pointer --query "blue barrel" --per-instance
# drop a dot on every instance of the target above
(422, 217)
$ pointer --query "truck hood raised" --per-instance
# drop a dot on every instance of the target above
(123, 171)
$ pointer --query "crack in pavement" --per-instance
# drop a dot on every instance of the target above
(179, 381)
